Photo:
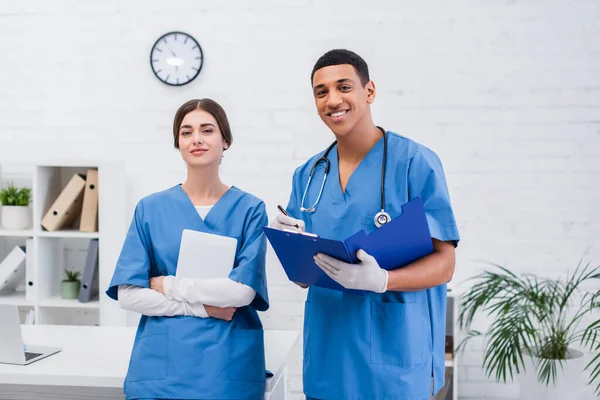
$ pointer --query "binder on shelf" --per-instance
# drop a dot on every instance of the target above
(67, 207)
(12, 269)
(89, 280)
(89, 210)
(402, 240)
(30, 289)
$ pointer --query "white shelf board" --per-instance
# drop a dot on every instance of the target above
(59, 302)
(21, 233)
(15, 298)
(69, 233)
(74, 163)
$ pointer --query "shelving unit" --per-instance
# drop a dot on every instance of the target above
(53, 252)
(452, 360)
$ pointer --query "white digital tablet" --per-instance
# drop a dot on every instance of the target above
(205, 255)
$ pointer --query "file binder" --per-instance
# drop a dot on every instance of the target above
(12, 269)
(89, 210)
(89, 279)
(30, 290)
(401, 241)
(67, 207)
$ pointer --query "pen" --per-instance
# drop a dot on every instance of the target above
(286, 214)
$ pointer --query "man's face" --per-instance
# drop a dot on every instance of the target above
(342, 102)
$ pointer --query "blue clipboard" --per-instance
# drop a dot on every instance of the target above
(401, 241)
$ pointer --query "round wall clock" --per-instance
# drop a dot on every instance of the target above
(176, 58)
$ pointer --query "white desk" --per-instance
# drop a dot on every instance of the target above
(94, 360)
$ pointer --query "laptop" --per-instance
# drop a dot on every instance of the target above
(205, 255)
(12, 349)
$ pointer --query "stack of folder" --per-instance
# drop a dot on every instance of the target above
(78, 199)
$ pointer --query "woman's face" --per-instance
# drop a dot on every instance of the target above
(200, 140)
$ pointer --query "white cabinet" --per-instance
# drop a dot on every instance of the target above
(53, 252)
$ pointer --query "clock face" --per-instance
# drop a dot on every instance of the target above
(176, 58)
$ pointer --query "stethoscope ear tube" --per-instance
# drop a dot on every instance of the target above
(382, 217)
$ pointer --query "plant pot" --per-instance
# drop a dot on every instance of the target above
(568, 382)
(16, 217)
(70, 289)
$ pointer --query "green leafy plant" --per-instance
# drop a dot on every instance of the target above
(11, 196)
(72, 276)
(533, 316)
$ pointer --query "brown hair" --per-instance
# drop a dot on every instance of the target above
(211, 107)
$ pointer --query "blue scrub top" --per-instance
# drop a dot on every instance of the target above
(189, 357)
(374, 346)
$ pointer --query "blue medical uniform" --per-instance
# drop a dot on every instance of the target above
(187, 357)
(374, 346)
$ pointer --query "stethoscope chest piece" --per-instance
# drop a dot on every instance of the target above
(382, 218)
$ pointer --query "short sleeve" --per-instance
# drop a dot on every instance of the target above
(426, 178)
(251, 259)
(293, 207)
(133, 265)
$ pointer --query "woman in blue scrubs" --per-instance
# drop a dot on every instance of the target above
(184, 349)
(388, 343)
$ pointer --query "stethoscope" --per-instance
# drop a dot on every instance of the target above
(381, 218)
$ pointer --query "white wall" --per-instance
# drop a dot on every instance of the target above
(506, 92)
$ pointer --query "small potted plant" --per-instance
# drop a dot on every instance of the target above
(70, 286)
(15, 207)
(538, 330)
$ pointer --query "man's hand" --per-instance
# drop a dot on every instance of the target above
(226, 314)
(366, 275)
(282, 222)
(156, 283)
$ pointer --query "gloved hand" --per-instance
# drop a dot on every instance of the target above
(282, 222)
(366, 275)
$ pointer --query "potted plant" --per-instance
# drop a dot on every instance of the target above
(15, 207)
(70, 286)
(537, 325)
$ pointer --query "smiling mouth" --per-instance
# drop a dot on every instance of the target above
(338, 114)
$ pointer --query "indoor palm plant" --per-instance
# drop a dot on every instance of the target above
(537, 322)
(15, 207)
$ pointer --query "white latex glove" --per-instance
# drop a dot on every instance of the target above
(366, 275)
(282, 222)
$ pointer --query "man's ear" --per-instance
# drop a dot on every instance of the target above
(370, 89)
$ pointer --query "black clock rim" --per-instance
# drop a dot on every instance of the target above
(201, 58)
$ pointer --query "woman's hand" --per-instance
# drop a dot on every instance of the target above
(156, 283)
(226, 314)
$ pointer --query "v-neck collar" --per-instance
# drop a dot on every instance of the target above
(374, 156)
(215, 214)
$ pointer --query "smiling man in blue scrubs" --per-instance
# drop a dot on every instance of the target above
(388, 343)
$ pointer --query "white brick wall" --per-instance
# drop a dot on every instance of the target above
(507, 93)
